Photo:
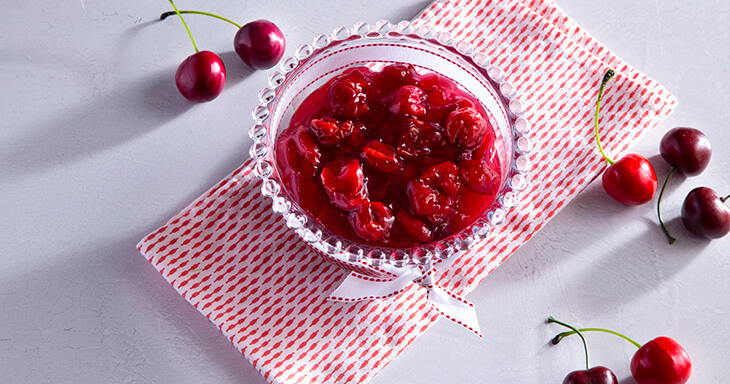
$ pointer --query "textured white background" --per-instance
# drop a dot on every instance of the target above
(97, 149)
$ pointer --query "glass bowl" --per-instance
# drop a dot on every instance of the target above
(372, 45)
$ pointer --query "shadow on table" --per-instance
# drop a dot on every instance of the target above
(236, 69)
(107, 120)
(113, 114)
(650, 260)
(104, 314)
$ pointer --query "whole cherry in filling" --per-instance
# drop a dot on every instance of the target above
(394, 157)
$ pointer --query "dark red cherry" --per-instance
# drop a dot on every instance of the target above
(688, 149)
(630, 180)
(408, 100)
(260, 44)
(595, 375)
(372, 220)
(414, 227)
(381, 157)
(348, 95)
(434, 193)
(705, 214)
(329, 131)
(460, 103)
(418, 138)
(307, 146)
(397, 75)
(466, 127)
(201, 76)
(344, 182)
(478, 176)
(439, 92)
(354, 139)
(661, 361)
(444, 176)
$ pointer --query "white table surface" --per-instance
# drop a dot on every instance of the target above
(97, 149)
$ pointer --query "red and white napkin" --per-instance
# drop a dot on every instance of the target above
(235, 260)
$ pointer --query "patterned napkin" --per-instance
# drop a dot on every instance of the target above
(235, 260)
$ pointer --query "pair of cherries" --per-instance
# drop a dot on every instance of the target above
(202, 75)
(631, 180)
(660, 361)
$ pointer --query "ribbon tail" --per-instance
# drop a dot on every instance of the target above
(357, 287)
(454, 308)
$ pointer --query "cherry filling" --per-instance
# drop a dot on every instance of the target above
(344, 182)
(392, 158)
(433, 194)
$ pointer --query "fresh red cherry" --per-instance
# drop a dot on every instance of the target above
(595, 375)
(466, 127)
(630, 180)
(201, 76)
(661, 361)
(705, 214)
(260, 44)
(688, 149)
(344, 182)
(372, 220)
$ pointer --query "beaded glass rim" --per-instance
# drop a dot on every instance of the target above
(319, 237)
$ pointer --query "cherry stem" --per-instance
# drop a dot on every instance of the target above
(658, 205)
(170, 13)
(186, 26)
(606, 77)
(560, 336)
(724, 199)
(574, 330)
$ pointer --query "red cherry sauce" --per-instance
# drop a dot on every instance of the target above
(391, 158)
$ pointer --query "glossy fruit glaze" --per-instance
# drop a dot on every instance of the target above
(661, 361)
(201, 76)
(595, 375)
(392, 158)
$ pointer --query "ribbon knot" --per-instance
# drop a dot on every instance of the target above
(427, 279)
(357, 287)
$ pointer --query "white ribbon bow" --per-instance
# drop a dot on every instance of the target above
(358, 287)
